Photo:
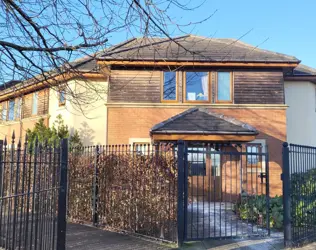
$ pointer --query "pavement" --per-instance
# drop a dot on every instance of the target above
(81, 237)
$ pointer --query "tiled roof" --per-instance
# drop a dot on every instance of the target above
(202, 121)
(303, 70)
(192, 48)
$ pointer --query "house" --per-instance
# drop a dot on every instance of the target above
(300, 96)
(198, 89)
(25, 103)
(192, 88)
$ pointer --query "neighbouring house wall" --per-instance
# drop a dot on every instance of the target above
(125, 122)
(24, 119)
(301, 113)
(87, 114)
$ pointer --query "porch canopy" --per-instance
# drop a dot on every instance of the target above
(201, 124)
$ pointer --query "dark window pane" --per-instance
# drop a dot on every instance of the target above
(169, 86)
(11, 110)
(197, 86)
(223, 86)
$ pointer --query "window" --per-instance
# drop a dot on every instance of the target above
(140, 145)
(4, 111)
(11, 110)
(34, 103)
(169, 86)
(224, 87)
(255, 159)
(196, 86)
(251, 158)
(18, 108)
(62, 97)
(197, 162)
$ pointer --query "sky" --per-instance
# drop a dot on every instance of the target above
(284, 26)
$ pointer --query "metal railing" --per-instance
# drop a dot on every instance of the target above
(32, 195)
(130, 188)
(299, 194)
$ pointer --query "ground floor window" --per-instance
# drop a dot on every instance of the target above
(255, 159)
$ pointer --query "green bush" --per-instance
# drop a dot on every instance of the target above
(254, 209)
(303, 198)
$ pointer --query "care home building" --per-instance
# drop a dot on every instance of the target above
(192, 88)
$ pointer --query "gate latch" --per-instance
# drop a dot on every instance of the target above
(262, 176)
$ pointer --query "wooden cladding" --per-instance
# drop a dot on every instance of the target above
(262, 87)
(253, 86)
(135, 86)
(42, 104)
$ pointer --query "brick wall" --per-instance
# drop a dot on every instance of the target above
(125, 123)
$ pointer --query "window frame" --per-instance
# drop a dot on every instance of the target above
(185, 88)
(162, 81)
(60, 104)
(231, 88)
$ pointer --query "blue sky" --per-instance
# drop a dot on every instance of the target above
(289, 26)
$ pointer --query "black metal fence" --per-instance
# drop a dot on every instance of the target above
(130, 188)
(299, 194)
(32, 195)
(226, 191)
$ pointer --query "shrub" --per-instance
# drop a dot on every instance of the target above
(303, 198)
(136, 192)
(254, 209)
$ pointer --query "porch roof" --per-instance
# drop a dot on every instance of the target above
(203, 124)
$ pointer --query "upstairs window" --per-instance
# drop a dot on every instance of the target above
(62, 97)
(224, 87)
(4, 111)
(196, 86)
(169, 86)
(34, 103)
(11, 110)
(18, 108)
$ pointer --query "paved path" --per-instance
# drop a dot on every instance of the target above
(81, 237)
(217, 219)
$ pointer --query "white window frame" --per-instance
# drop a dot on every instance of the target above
(133, 141)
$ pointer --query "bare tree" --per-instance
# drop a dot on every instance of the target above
(40, 39)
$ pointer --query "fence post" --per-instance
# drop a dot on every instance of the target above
(62, 198)
(267, 188)
(180, 217)
(95, 188)
(286, 195)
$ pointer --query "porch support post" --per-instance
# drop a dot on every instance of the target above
(286, 196)
(180, 217)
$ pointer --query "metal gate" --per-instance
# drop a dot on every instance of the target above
(226, 191)
(33, 185)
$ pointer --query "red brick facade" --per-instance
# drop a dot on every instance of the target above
(135, 122)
